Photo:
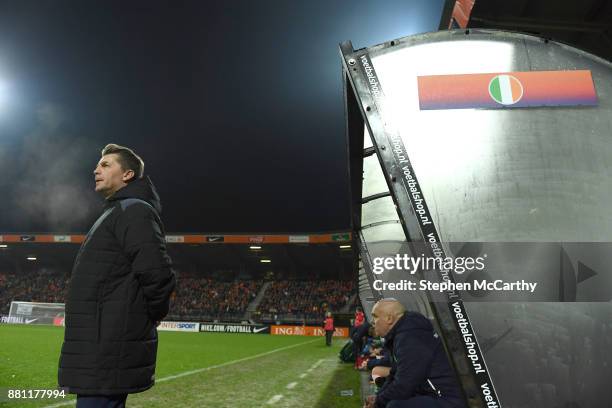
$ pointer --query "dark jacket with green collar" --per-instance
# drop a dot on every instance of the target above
(419, 365)
(120, 286)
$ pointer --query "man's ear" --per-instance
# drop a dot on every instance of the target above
(128, 175)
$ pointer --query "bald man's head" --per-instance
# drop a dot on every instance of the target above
(386, 313)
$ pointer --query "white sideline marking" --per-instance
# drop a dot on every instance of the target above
(274, 399)
(315, 365)
(199, 370)
(291, 385)
(318, 363)
(303, 375)
(240, 360)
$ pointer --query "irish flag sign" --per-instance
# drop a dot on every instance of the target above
(507, 90)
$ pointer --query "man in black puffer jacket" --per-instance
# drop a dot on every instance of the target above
(119, 290)
(421, 376)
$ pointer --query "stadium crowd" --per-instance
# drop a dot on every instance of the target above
(205, 296)
(200, 297)
(31, 287)
(310, 298)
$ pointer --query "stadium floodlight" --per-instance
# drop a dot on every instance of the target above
(31, 258)
(345, 246)
(265, 261)
(254, 247)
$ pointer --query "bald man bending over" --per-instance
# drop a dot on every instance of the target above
(420, 376)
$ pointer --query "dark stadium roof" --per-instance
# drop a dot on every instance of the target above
(303, 261)
(585, 24)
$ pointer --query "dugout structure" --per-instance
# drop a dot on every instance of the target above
(430, 169)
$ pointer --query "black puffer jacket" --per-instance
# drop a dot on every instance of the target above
(419, 365)
(120, 286)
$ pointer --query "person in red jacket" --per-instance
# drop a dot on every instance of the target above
(328, 326)
(359, 317)
(359, 320)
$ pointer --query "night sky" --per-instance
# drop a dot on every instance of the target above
(235, 107)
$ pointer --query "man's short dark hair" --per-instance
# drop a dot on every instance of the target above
(126, 158)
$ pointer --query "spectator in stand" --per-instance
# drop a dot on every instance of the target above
(208, 298)
(202, 297)
(41, 286)
(306, 299)
(328, 325)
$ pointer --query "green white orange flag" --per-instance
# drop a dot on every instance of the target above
(507, 90)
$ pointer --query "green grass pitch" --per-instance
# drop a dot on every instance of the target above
(198, 370)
